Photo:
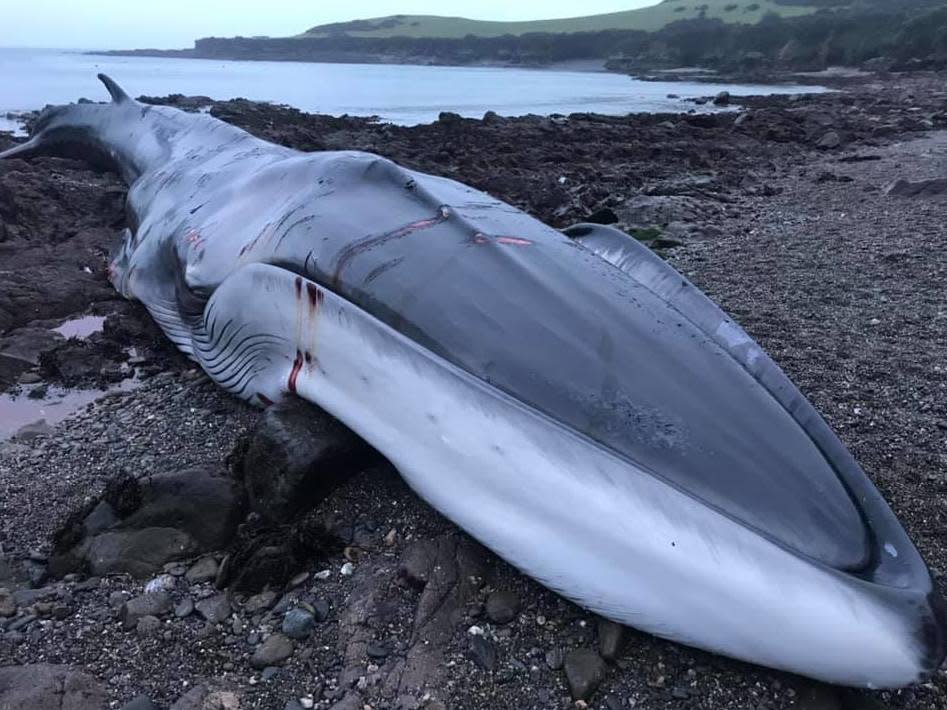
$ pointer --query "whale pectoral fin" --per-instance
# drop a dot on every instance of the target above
(23, 150)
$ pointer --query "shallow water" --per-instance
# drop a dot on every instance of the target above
(81, 327)
(397, 93)
(58, 403)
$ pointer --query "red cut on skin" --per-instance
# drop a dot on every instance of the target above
(294, 373)
(515, 241)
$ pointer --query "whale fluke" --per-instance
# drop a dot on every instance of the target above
(115, 91)
(23, 150)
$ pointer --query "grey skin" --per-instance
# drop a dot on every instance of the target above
(587, 329)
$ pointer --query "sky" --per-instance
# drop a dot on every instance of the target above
(175, 24)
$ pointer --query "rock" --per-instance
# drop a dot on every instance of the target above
(605, 215)
(611, 638)
(260, 602)
(35, 430)
(163, 518)
(555, 658)
(8, 603)
(41, 686)
(298, 623)
(449, 117)
(829, 140)
(492, 118)
(184, 608)
(101, 518)
(502, 606)
(296, 455)
(141, 702)
(272, 652)
(921, 188)
(320, 609)
(722, 99)
(214, 609)
(585, 670)
(483, 652)
(377, 651)
(148, 626)
(417, 562)
(155, 604)
(204, 570)
(161, 583)
(351, 701)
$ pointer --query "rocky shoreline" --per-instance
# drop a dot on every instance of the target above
(817, 221)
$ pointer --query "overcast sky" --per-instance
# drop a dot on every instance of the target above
(126, 24)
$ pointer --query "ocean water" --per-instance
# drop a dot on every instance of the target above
(397, 93)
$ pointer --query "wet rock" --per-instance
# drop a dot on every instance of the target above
(272, 652)
(41, 685)
(297, 454)
(214, 609)
(165, 517)
(204, 570)
(611, 638)
(161, 583)
(298, 623)
(154, 604)
(502, 606)
(483, 652)
(722, 99)
(585, 671)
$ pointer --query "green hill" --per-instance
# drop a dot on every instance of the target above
(648, 19)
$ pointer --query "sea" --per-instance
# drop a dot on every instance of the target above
(401, 94)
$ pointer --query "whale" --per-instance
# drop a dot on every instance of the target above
(566, 397)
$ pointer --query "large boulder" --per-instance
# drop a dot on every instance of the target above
(140, 525)
(297, 454)
(41, 686)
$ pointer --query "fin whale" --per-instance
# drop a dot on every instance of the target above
(568, 399)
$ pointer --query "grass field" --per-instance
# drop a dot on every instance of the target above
(646, 18)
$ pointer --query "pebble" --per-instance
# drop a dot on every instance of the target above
(272, 652)
(611, 638)
(347, 570)
(184, 608)
(161, 583)
(148, 626)
(323, 575)
(555, 658)
(260, 602)
(8, 603)
(502, 606)
(154, 604)
(215, 609)
(483, 653)
(298, 623)
(141, 702)
(585, 670)
(377, 651)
